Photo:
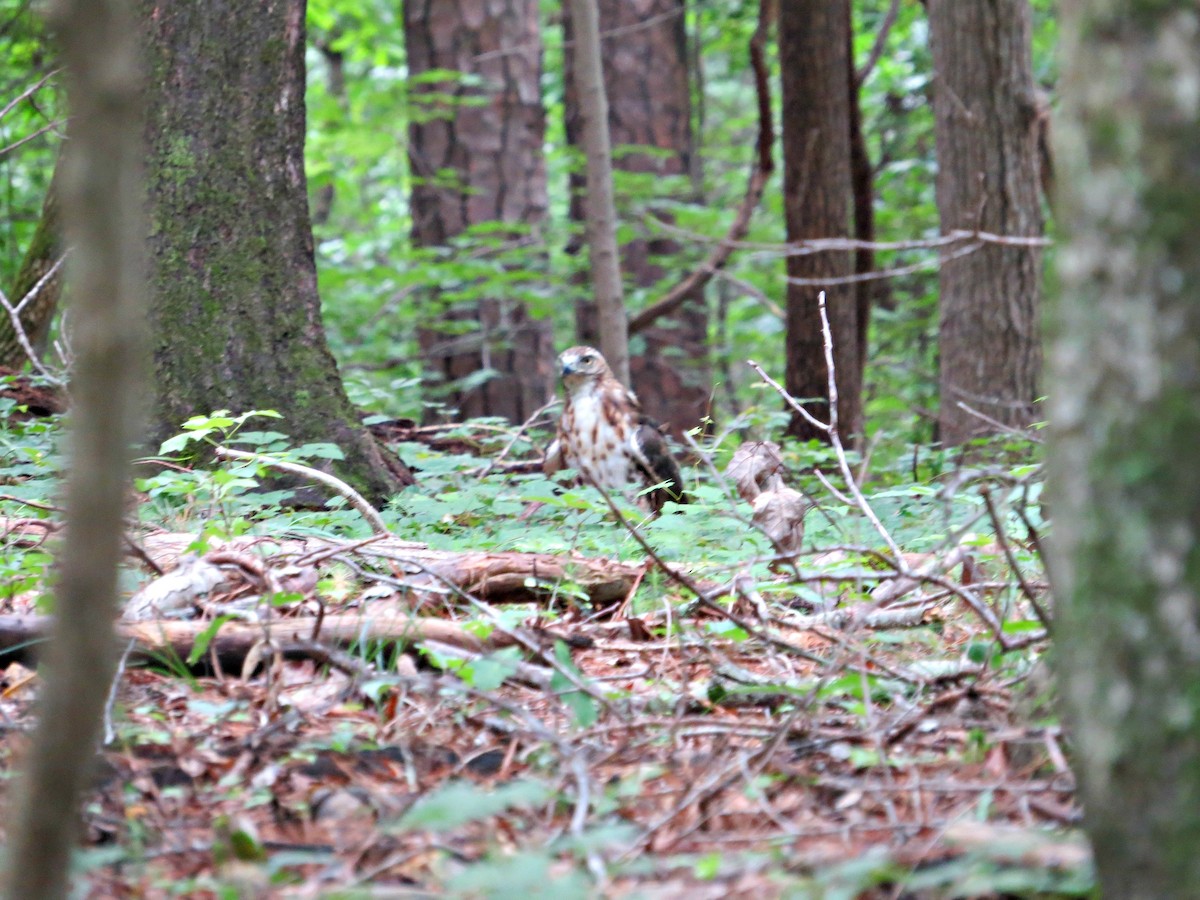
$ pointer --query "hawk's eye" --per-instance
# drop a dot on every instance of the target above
(587, 358)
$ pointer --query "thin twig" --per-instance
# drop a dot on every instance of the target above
(1002, 539)
(374, 519)
(14, 318)
(32, 89)
(32, 293)
(29, 137)
(836, 441)
(881, 36)
(881, 274)
(524, 426)
(109, 733)
(498, 622)
(841, 245)
(788, 398)
(998, 425)
(705, 598)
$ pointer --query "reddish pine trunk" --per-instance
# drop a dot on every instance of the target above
(988, 175)
(814, 57)
(479, 159)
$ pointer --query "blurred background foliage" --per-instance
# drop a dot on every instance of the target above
(359, 107)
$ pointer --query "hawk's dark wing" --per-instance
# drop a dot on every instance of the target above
(657, 464)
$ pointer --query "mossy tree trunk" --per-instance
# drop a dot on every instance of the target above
(236, 317)
(985, 116)
(814, 47)
(1124, 361)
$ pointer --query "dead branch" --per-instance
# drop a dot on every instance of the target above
(707, 597)
(495, 577)
(14, 315)
(1002, 539)
(881, 36)
(521, 429)
(894, 588)
(810, 246)
(498, 577)
(760, 173)
(907, 578)
(21, 636)
(860, 616)
(335, 484)
(49, 126)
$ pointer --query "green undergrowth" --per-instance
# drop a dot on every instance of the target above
(925, 501)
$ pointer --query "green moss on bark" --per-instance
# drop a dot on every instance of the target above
(236, 319)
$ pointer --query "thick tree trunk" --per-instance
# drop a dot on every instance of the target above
(985, 122)
(1125, 419)
(236, 318)
(101, 188)
(814, 49)
(478, 158)
(645, 65)
(41, 270)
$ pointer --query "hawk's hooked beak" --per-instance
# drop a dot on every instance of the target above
(567, 368)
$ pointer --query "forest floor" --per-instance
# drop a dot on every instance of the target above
(600, 733)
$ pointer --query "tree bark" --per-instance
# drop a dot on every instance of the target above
(862, 181)
(645, 68)
(101, 189)
(236, 319)
(814, 48)
(599, 211)
(42, 257)
(1124, 361)
(478, 158)
(985, 116)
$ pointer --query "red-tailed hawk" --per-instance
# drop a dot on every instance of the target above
(604, 436)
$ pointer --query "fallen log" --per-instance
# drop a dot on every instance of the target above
(160, 640)
(497, 577)
(412, 570)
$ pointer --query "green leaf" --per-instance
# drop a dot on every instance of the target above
(178, 442)
(726, 629)
(320, 451)
(489, 672)
(204, 638)
(582, 706)
(459, 802)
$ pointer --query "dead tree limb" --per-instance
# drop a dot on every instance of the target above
(761, 171)
(21, 636)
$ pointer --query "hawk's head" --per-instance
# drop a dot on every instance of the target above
(581, 365)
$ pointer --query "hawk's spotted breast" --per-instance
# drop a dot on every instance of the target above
(604, 436)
